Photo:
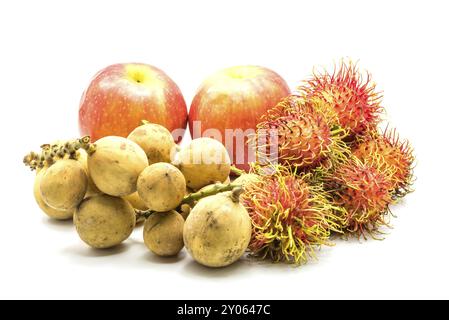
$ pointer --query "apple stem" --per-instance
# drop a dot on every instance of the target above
(210, 190)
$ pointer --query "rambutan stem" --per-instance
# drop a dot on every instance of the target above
(339, 130)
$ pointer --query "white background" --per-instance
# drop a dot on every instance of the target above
(49, 50)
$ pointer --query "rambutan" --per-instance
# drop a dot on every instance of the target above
(296, 132)
(351, 94)
(389, 154)
(291, 217)
(364, 194)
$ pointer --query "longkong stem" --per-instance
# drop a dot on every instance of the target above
(85, 143)
(205, 192)
(209, 191)
(50, 153)
(237, 171)
(236, 192)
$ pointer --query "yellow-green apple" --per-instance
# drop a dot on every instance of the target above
(229, 104)
(122, 95)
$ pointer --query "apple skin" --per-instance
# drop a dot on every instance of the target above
(235, 98)
(120, 96)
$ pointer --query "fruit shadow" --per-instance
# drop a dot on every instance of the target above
(87, 252)
(288, 267)
(58, 225)
(383, 233)
(240, 267)
(152, 258)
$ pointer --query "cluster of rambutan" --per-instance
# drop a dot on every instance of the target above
(333, 170)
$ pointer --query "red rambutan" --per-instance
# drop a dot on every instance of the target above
(296, 132)
(364, 194)
(389, 154)
(352, 95)
(291, 217)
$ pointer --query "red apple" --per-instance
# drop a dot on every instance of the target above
(122, 95)
(229, 104)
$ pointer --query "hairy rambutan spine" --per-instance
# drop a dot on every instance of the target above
(291, 218)
(391, 155)
(364, 194)
(296, 132)
(351, 94)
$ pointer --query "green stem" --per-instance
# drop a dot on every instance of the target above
(237, 171)
(337, 130)
(210, 190)
(142, 214)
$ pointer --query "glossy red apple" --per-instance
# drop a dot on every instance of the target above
(229, 104)
(122, 95)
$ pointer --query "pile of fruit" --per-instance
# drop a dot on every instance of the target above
(322, 168)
